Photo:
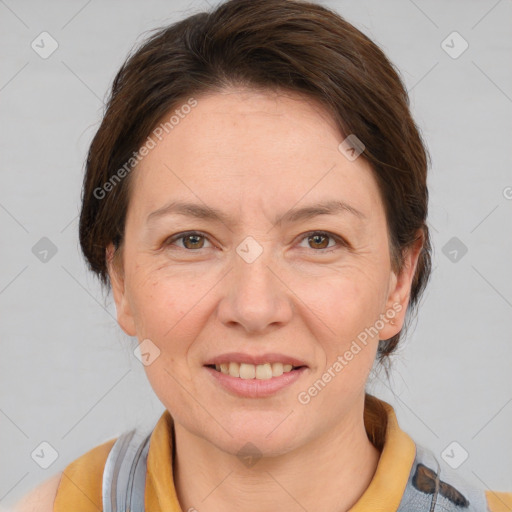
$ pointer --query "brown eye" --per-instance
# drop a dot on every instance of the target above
(319, 241)
(191, 241)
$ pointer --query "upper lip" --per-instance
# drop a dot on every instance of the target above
(240, 357)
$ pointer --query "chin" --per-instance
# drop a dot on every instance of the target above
(257, 446)
(266, 431)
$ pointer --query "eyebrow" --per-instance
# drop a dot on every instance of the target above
(204, 212)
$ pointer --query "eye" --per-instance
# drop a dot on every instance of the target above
(319, 239)
(192, 240)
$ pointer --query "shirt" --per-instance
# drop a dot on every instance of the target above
(408, 476)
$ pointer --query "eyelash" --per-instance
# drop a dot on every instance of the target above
(338, 239)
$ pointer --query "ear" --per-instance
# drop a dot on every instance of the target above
(117, 281)
(400, 291)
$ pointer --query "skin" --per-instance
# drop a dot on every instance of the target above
(255, 155)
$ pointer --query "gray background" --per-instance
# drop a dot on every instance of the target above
(68, 373)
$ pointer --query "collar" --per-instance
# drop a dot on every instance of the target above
(382, 495)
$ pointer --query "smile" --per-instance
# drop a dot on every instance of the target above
(251, 371)
(250, 382)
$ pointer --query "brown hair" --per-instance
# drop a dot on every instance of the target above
(286, 45)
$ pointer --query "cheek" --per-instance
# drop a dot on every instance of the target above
(350, 346)
(347, 299)
(168, 312)
(163, 302)
(345, 312)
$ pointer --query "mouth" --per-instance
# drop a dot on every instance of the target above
(255, 375)
(248, 371)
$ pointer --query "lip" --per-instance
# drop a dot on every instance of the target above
(255, 388)
(240, 357)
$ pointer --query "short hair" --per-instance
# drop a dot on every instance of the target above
(276, 45)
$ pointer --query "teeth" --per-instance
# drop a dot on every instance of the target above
(247, 371)
(250, 371)
(234, 369)
(277, 369)
(264, 371)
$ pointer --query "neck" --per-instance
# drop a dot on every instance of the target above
(330, 473)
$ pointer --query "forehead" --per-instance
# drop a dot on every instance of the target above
(252, 147)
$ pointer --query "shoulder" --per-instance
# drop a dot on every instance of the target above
(499, 501)
(434, 486)
(78, 487)
(40, 499)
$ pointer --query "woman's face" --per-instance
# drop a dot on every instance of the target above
(256, 282)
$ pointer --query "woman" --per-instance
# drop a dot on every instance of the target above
(256, 199)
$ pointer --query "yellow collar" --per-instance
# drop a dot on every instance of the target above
(382, 495)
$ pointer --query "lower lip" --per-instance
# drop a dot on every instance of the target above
(255, 388)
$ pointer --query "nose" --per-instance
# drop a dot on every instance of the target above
(256, 296)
